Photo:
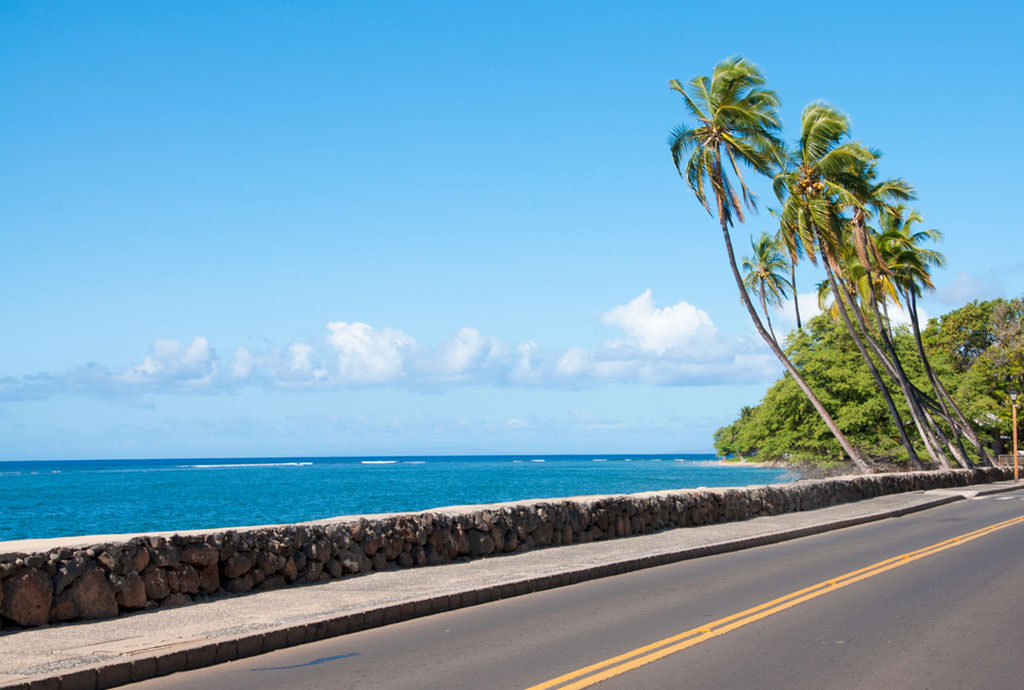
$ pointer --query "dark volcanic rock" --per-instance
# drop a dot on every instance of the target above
(175, 600)
(200, 554)
(238, 564)
(27, 597)
(67, 572)
(130, 591)
(166, 557)
(335, 568)
(93, 595)
(240, 585)
(480, 543)
(141, 559)
(290, 571)
(157, 584)
(63, 608)
(209, 579)
(188, 579)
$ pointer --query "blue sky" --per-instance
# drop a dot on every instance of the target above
(330, 229)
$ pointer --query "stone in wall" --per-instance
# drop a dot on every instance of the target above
(129, 591)
(157, 583)
(27, 595)
(202, 555)
(209, 578)
(93, 596)
(238, 564)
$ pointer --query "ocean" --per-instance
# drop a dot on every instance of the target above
(77, 497)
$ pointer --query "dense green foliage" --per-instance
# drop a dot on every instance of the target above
(977, 351)
(985, 342)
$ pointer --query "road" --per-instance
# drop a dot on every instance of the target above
(941, 618)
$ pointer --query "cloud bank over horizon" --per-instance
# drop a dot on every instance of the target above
(677, 345)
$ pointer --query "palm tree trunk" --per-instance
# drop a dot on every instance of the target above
(792, 282)
(844, 443)
(940, 390)
(912, 313)
(888, 321)
(764, 308)
(889, 403)
(936, 430)
(935, 437)
(899, 376)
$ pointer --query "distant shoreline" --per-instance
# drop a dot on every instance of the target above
(749, 463)
(799, 470)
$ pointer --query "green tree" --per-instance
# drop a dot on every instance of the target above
(783, 426)
(963, 334)
(727, 439)
(764, 274)
(985, 341)
(737, 121)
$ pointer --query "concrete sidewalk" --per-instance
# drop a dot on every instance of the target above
(113, 652)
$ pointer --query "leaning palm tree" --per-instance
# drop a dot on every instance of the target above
(794, 256)
(764, 274)
(910, 263)
(824, 178)
(882, 198)
(737, 122)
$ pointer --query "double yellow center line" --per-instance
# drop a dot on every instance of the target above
(615, 666)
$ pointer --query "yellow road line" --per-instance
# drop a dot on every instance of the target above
(642, 656)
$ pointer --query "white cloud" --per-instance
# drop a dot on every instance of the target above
(526, 367)
(677, 345)
(366, 355)
(172, 362)
(301, 357)
(241, 365)
(785, 314)
(468, 351)
(574, 362)
(659, 330)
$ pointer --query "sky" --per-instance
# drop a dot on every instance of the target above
(321, 229)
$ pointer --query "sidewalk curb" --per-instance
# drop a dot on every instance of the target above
(188, 657)
(988, 491)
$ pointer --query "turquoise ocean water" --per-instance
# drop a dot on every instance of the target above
(75, 497)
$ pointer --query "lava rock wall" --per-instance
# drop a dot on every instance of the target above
(148, 572)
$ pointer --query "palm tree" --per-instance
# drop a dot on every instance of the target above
(763, 274)
(794, 257)
(736, 121)
(883, 198)
(816, 183)
(824, 177)
(796, 295)
(910, 264)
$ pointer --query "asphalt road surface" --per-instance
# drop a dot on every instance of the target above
(864, 607)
